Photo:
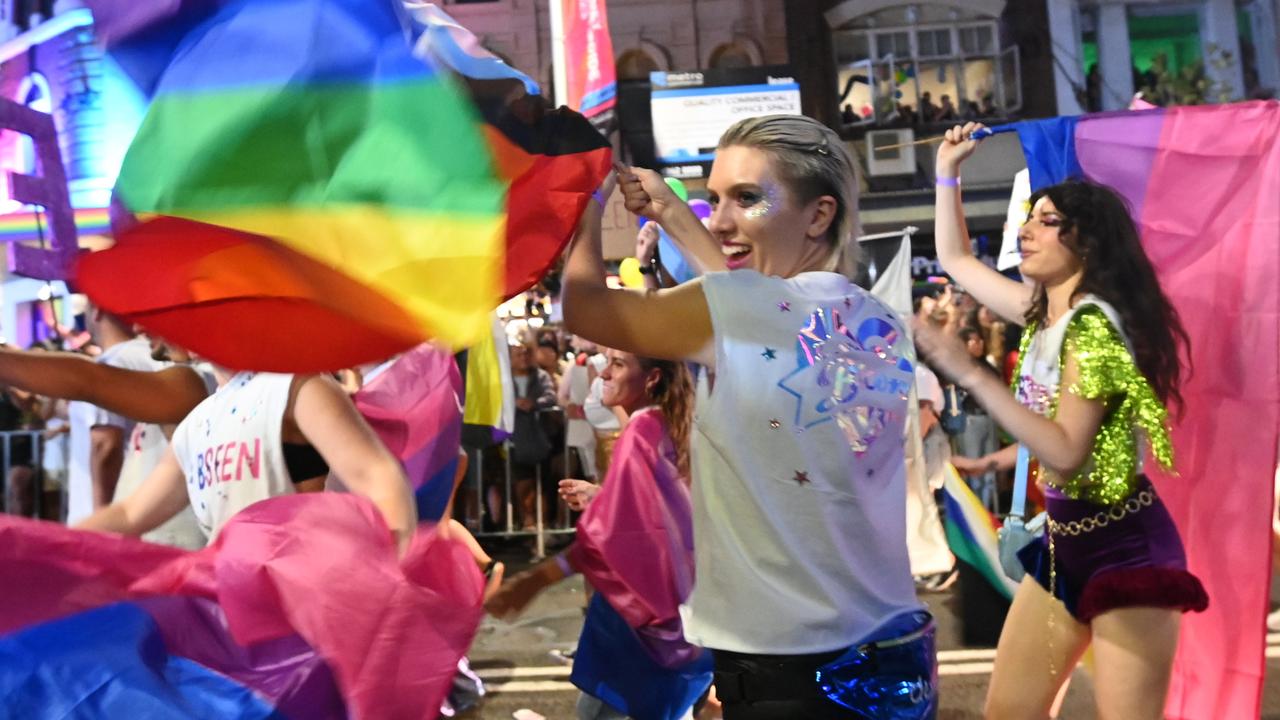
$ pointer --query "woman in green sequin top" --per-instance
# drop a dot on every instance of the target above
(1099, 360)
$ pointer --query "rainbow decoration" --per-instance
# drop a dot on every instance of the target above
(306, 179)
(1203, 185)
(971, 532)
(298, 609)
(29, 226)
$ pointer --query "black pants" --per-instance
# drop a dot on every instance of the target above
(774, 687)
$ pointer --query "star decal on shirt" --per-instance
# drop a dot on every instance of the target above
(784, 306)
(769, 354)
(858, 376)
(801, 477)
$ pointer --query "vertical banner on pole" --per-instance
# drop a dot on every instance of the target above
(583, 57)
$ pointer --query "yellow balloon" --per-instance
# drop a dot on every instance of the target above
(629, 273)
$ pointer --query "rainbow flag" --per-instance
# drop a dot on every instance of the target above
(1203, 184)
(553, 157)
(415, 408)
(299, 609)
(971, 532)
(330, 196)
(26, 225)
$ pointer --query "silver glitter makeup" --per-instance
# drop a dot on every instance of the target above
(766, 206)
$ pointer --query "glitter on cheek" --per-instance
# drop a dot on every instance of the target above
(767, 206)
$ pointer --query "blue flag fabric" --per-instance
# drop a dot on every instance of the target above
(1050, 148)
(113, 662)
(612, 665)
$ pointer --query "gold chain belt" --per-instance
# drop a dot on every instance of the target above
(1104, 518)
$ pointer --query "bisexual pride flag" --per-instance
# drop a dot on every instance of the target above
(313, 193)
(635, 546)
(415, 407)
(1203, 185)
(299, 609)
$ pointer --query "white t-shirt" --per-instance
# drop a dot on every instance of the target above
(1041, 370)
(574, 385)
(230, 448)
(146, 446)
(133, 354)
(602, 419)
(799, 479)
(54, 456)
(928, 387)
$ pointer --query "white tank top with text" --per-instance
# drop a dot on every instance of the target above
(230, 448)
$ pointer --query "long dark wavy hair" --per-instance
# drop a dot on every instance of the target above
(1097, 227)
(673, 394)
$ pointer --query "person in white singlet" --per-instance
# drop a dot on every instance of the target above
(798, 472)
(231, 451)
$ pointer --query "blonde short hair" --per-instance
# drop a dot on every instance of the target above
(811, 161)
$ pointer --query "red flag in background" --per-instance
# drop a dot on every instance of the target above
(584, 57)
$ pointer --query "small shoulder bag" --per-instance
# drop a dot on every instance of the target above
(1017, 532)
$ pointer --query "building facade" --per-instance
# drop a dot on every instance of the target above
(647, 34)
(888, 72)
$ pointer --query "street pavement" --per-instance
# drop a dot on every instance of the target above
(519, 663)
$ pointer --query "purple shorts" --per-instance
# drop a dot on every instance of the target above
(1137, 561)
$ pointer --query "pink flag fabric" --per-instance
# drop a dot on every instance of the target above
(321, 566)
(1204, 183)
(415, 407)
(635, 539)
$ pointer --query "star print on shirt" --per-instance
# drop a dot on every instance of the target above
(857, 373)
(801, 477)
(769, 354)
(784, 306)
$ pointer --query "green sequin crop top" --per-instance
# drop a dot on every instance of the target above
(1107, 373)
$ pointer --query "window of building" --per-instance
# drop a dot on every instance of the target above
(636, 65)
(739, 53)
(919, 64)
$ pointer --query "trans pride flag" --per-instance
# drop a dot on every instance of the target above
(315, 193)
(299, 609)
(1203, 184)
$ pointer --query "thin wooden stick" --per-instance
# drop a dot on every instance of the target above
(925, 141)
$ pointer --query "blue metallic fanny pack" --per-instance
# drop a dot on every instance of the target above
(889, 679)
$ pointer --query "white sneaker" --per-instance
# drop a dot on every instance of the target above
(1273, 621)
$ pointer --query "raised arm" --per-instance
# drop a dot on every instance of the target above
(645, 194)
(330, 422)
(1006, 297)
(163, 397)
(671, 324)
(1061, 444)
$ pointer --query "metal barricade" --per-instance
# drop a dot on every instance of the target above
(14, 456)
(540, 532)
